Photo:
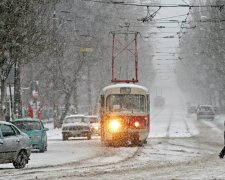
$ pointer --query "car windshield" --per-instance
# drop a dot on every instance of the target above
(206, 108)
(126, 102)
(28, 125)
(91, 119)
(74, 120)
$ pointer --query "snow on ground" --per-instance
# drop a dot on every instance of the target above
(53, 134)
(167, 123)
(169, 141)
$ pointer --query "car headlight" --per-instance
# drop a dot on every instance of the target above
(114, 125)
(96, 127)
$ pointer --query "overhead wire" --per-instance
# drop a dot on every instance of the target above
(149, 16)
(152, 5)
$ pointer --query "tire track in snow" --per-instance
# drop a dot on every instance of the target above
(187, 127)
(169, 126)
(62, 170)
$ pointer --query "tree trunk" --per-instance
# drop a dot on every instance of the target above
(67, 105)
(3, 97)
(17, 92)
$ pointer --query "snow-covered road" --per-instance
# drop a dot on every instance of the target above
(178, 147)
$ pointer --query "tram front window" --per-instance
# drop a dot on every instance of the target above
(126, 102)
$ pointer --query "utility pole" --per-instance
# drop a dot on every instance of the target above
(75, 97)
(89, 89)
(54, 50)
(84, 51)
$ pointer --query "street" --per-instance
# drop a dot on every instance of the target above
(179, 147)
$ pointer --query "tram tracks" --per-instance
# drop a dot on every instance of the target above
(85, 166)
(169, 126)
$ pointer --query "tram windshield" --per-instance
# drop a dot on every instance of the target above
(126, 102)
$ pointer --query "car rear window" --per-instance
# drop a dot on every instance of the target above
(75, 119)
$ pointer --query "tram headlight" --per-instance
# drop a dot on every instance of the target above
(114, 125)
(136, 124)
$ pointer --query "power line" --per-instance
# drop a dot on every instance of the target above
(181, 15)
(149, 16)
(182, 24)
(155, 5)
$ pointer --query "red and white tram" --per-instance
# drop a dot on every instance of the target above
(124, 115)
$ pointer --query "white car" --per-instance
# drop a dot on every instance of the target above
(76, 126)
(205, 112)
(94, 123)
(15, 146)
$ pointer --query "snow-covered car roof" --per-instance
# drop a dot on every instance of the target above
(4, 122)
(91, 116)
(27, 119)
(125, 85)
(205, 105)
(75, 115)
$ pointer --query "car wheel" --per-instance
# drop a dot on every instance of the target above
(89, 136)
(21, 160)
(42, 149)
(108, 143)
(65, 137)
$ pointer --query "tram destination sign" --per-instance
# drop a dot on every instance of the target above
(125, 90)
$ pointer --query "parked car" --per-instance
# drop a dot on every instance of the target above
(191, 109)
(15, 146)
(35, 129)
(76, 126)
(205, 112)
(94, 123)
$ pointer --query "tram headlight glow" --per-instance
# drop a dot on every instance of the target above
(136, 124)
(114, 125)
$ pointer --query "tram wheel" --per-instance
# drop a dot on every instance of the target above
(108, 143)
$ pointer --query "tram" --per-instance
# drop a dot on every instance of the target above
(124, 115)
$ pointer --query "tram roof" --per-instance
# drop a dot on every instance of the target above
(125, 85)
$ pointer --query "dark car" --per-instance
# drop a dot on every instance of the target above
(205, 112)
(35, 129)
(15, 146)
